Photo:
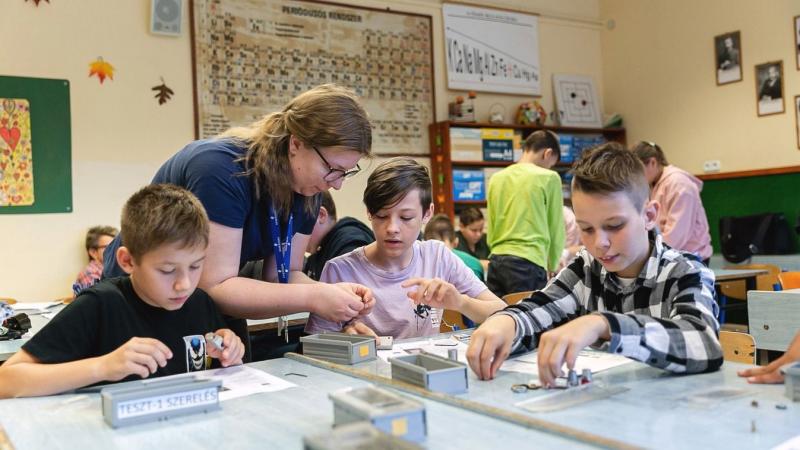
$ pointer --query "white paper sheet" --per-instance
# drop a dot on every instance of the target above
(240, 381)
(593, 360)
(791, 444)
(34, 306)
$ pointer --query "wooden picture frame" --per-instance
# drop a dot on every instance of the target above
(797, 118)
(769, 88)
(796, 30)
(728, 57)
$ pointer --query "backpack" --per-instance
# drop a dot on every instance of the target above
(760, 234)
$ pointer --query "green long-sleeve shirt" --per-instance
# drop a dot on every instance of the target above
(525, 217)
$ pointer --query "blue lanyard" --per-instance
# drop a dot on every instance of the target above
(282, 249)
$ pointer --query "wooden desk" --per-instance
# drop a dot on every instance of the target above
(277, 420)
(720, 275)
(655, 413)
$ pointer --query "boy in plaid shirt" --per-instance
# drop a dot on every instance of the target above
(625, 291)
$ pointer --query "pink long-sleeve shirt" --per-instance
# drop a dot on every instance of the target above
(682, 218)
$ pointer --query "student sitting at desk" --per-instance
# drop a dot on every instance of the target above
(398, 267)
(151, 323)
(625, 289)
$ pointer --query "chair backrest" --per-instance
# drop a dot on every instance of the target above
(449, 318)
(516, 297)
(789, 280)
(738, 347)
(8, 300)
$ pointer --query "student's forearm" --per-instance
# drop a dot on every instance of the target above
(26, 379)
(478, 310)
(253, 299)
(299, 277)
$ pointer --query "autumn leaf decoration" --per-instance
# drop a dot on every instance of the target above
(163, 93)
(102, 69)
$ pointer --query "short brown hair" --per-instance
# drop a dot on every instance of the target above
(469, 215)
(329, 204)
(610, 168)
(393, 180)
(94, 234)
(163, 214)
(440, 228)
(646, 150)
(543, 139)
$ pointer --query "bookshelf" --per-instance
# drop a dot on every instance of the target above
(468, 160)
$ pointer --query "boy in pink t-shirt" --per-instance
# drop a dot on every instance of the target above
(412, 281)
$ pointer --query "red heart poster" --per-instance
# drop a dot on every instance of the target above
(16, 153)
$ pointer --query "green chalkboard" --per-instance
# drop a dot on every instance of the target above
(50, 137)
(751, 195)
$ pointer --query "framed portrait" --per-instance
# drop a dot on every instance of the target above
(769, 88)
(796, 28)
(728, 57)
(797, 118)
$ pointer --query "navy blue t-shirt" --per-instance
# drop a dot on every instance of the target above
(210, 170)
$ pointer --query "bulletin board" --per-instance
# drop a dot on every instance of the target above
(491, 50)
(35, 146)
(253, 56)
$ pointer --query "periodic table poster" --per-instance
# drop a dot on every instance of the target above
(253, 56)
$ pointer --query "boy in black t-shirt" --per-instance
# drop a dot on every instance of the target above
(151, 323)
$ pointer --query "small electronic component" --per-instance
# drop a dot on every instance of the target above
(384, 342)
(452, 353)
(215, 340)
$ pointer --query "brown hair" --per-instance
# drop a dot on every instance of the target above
(94, 234)
(646, 150)
(610, 168)
(328, 203)
(163, 214)
(325, 116)
(440, 228)
(469, 215)
(393, 180)
(543, 139)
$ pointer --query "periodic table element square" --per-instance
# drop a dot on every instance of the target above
(577, 104)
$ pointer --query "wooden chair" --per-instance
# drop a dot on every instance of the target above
(451, 318)
(736, 289)
(516, 297)
(8, 300)
(789, 280)
(738, 347)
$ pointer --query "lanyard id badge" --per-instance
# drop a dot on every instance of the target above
(282, 249)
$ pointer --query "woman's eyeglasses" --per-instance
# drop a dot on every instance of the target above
(333, 173)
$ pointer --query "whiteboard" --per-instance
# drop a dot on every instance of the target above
(491, 50)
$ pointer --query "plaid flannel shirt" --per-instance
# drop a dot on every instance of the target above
(666, 318)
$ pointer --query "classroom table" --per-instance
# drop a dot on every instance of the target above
(660, 410)
(8, 348)
(720, 275)
(276, 420)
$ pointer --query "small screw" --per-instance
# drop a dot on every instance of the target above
(754, 403)
(752, 426)
(780, 406)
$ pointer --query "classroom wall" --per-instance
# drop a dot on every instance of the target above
(120, 135)
(659, 72)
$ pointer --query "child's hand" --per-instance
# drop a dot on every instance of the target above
(772, 373)
(490, 345)
(563, 344)
(140, 356)
(359, 328)
(366, 297)
(434, 292)
(341, 302)
(232, 348)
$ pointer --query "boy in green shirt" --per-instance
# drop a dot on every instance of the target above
(526, 223)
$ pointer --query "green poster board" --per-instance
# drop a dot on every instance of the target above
(51, 139)
(750, 195)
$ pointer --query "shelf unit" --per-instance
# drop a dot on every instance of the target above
(442, 164)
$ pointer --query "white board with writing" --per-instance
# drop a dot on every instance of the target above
(491, 50)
